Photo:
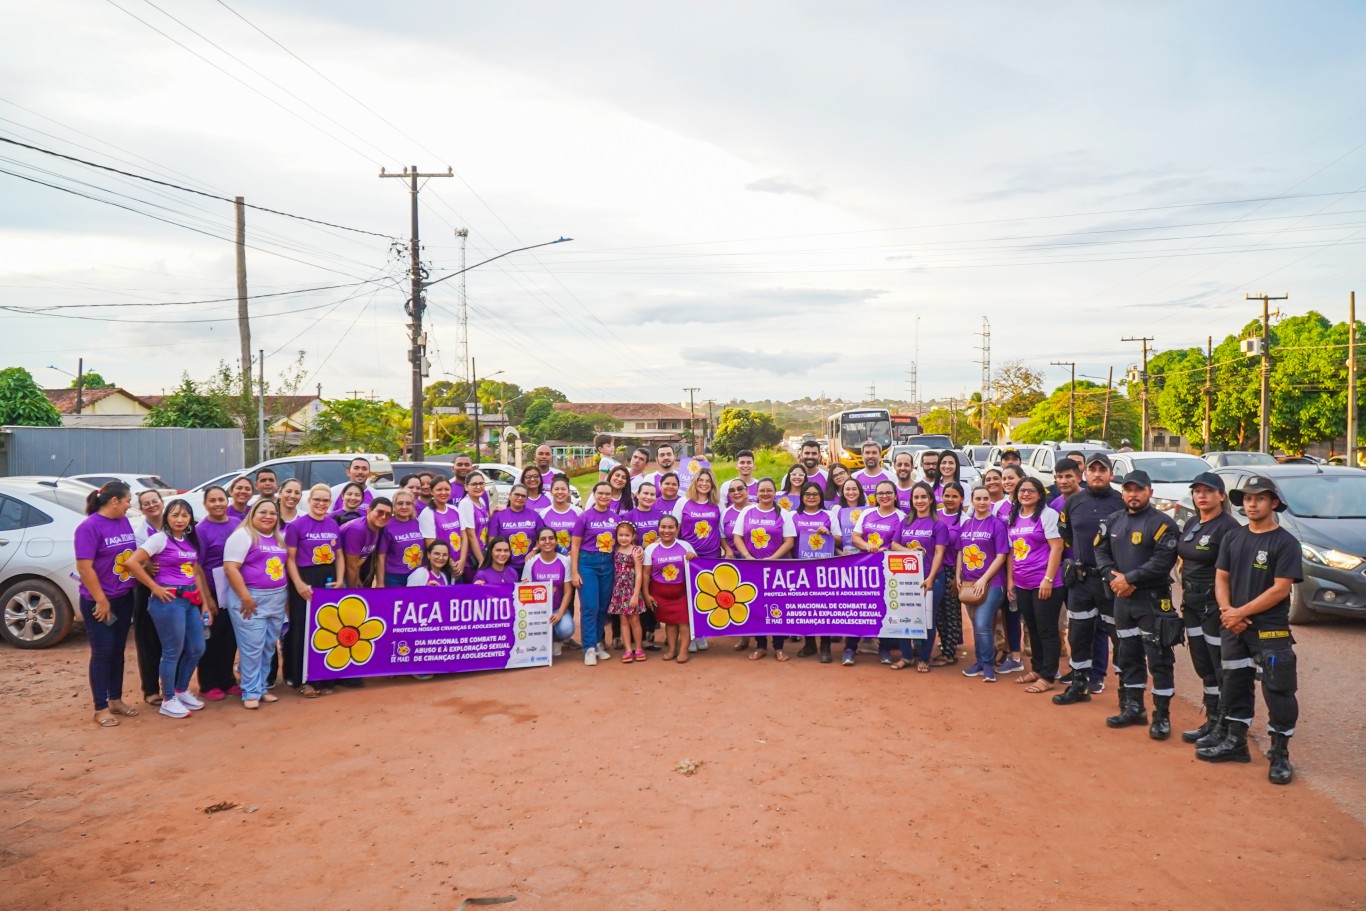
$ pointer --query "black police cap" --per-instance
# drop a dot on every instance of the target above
(1208, 479)
(1258, 484)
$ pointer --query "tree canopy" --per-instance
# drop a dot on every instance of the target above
(1048, 419)
(741, 428)
(189, 406)
(23, 403)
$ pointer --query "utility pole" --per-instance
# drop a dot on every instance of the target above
(711, 422)
(463, 235)
(416, 305)
(261, 406)
(914, 373)
(80, 381)
(1143, 377)
(1105, 416)
(1351, 381)
(243, 316)
(986, 378)
(1209, 388)
(1264, 429)
(692, 418)
(1071, 398)
(474, 394)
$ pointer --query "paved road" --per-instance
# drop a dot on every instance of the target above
(1329, 746)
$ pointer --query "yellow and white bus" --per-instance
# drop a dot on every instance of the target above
(849, 430)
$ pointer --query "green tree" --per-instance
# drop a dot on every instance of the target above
(1015, 389)
(92, 380)
(359, 424)
(1176, 398)
(22, 403)
(546, 392)
(1308, 382)
(1237, 387)
(533, 420)
(955, 423)
(188, 406)
(1048, 420)
(568, 427)
(741, 428)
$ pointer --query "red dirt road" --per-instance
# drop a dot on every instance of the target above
(818, 787)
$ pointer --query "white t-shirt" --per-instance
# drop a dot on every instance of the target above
(606, 464)
(638, 479)
(154, 543)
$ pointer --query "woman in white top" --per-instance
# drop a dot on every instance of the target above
(436, 568)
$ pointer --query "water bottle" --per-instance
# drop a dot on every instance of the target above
(208, 622)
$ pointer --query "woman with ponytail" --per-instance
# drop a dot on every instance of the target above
(104, 544)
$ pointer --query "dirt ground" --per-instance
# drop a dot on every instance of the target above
(815, 787)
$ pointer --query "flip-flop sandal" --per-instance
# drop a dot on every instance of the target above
(109, 721)
(308, 691)
(1039, 686)
(127, 711)
(922, 667)
(757, 654)
(902, 665)
(628, 658)
(781, 656)
(943, 661)
(1028, 678)
(153, 700)
(741, 645)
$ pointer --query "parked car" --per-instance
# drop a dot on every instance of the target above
(1302, 459)
(1229, 459)
(980, 456)
(137, 482)
(1025, 450)
(1043, 459)
(38, 591)
(1170, 472)
(1326, 511)
(940, 441)
(909, 448)
(327, 468)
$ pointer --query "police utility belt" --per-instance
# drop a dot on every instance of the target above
(1074, 572)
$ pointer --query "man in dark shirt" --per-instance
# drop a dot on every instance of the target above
(1090, 603)
(1256, 569)
(1135, 551)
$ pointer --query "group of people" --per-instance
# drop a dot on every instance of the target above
(1010, 551)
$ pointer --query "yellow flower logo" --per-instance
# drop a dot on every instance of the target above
(605, 541)
(456, 541)
(875, 540)
(915, 544)
(323, 555)
(562, 538)
(412, 556)
(275, 568)
(1021, 549)
(722, 597)
(520, 543)
(785, 502)
(121, 566)
(759, 537)
(853, 516)
(484, 535)
(693, 466)
(187, 570)
(702, 529)
(973, 558)
(650, 538)
(816, 541)
(346, 632)
(669, 572)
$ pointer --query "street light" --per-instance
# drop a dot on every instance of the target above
(79, 376)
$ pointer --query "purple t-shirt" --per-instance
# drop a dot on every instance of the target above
(981, 540)
(490, 576)
(315, 541)
(667, 562)
(903, 497)
(729, 516)
(235, 514)
(763, 531)
(1029, 537)
(562, 523)
(540, 502)
(403, 541)
(263, 562)
(699, 525)
(819, 476)
(358, 539)
(212, 536)
(475, 514)
(926, 532)
(869, 482)
(598, 530)
(849, 516)
(107, 544)
(953, 525)
(520, 529)
(365, 498)
(175, 559)
(443, 526)
(788, 501)
(1001, 508)
(555, 573)
(879, 531)
(817, 533)
(646, 522)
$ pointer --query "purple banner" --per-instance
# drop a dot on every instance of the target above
(839, 596)
(384, 632)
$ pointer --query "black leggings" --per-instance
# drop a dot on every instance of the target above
(148, 643)
(296, 639)
(1041, 621)
(761, 642)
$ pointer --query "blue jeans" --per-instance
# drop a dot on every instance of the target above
(256, 637)
(565, 628)
(983, 626)
(107, 645)
(595, 595)
(180, 627)
(395, 580)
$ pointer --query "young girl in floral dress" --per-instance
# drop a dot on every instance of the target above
(626, 586)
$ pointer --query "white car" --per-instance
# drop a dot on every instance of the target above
(1170, 472)
(136, 482)
(38, 591)
(326, 468)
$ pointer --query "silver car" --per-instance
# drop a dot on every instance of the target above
(38, 591)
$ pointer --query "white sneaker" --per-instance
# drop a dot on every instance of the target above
(603, 653)
(702, 645)
(190, 701)
(172, 708)
(557, 649)
(590, 658)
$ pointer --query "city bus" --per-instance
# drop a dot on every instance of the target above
(904, 426)
(849, 430)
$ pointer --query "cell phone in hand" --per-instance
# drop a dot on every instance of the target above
(111, 619)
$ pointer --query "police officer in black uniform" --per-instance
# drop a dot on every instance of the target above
(1256, 569)
(1198, 550)
(1090, 603)
(1135, 551)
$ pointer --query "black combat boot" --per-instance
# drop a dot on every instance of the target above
(1233, 748)
(1211, 720)
(1161, 728)
(1216, 734)
(1076, 690)
(1281, 771)
(1130, 710)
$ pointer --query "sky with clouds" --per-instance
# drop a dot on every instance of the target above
(766, 199)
